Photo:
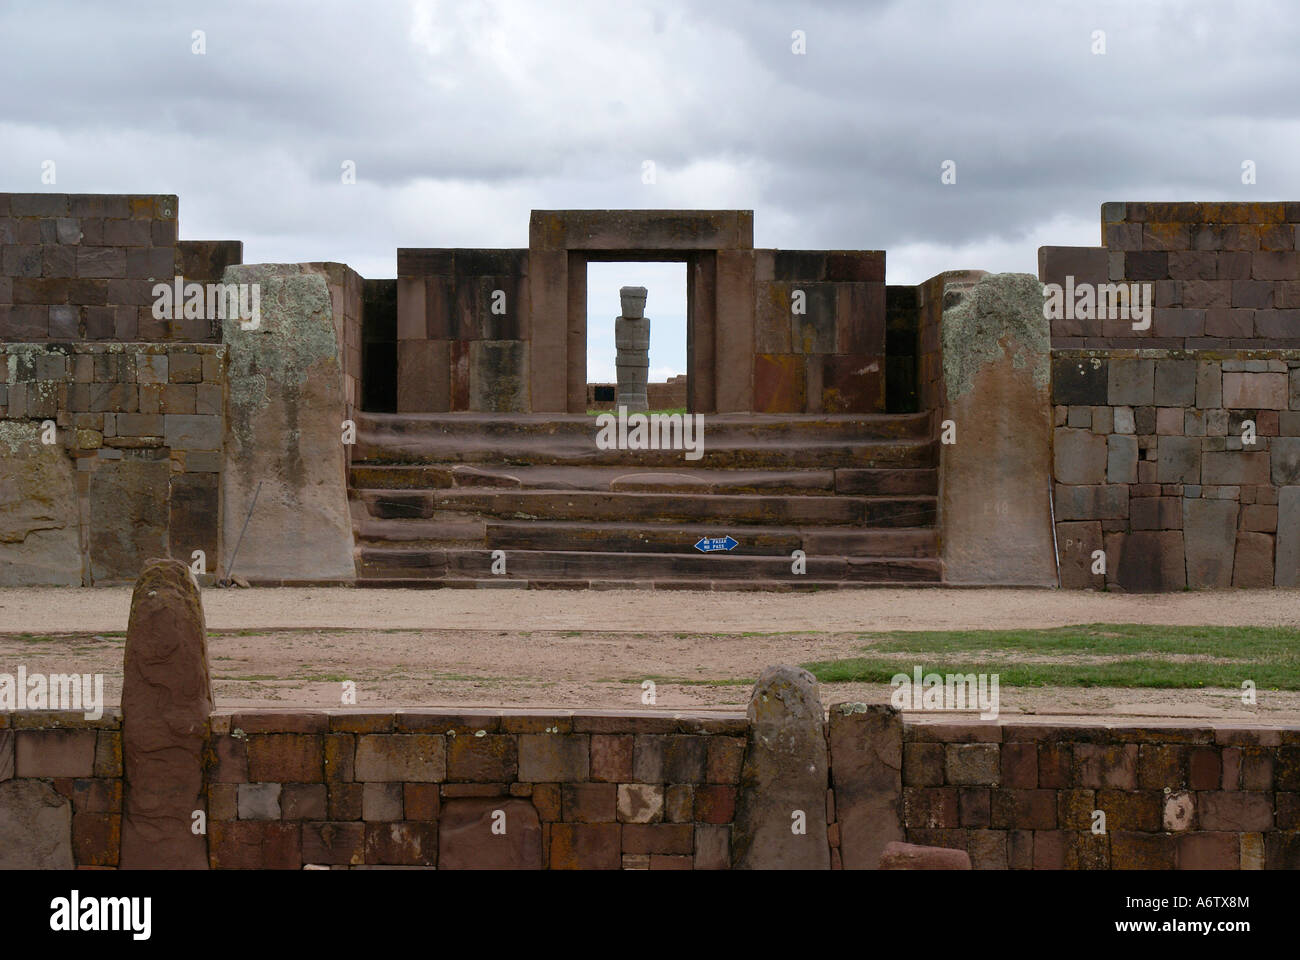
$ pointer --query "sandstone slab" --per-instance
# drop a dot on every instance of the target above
(1209, 538)
(285, 411)
(994, 512)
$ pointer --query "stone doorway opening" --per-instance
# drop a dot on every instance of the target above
(666, 307)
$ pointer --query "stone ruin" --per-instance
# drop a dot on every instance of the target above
(402, 431)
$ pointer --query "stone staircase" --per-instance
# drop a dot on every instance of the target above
(434, 495)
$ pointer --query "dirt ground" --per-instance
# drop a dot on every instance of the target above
(295, 647)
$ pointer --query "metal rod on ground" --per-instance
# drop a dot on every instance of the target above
(1056, 549)
(231, 565)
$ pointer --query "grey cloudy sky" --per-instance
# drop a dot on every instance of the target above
(461, 117)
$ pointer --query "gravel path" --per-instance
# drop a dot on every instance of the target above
(594, 649)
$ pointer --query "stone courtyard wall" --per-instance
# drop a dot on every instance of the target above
(1153, 459)
(626, 790)
(133, 470)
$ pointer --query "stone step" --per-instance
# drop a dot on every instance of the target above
(866, 482)
(647, 537)
(730, 441)
(407, 564)
(744, 509)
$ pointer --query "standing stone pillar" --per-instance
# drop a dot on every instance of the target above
(994, 515)
(166, 705)
(781, 809)
(632, 340)
(866, 744)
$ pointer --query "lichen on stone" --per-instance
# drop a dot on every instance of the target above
(996, 312)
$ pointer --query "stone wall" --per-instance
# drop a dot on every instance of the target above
(1022, 795)
(1153, 466)
(610, 790)
(455, 351)
(1224, 275)
(419, 787)
(60, 790)
(1153, 461)
(830, 358)
(133, 471)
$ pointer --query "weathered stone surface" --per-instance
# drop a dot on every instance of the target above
(1178, 460)
(1076, 542)
(996, 361)
(35, 827)
(1285, 453)
(866, 744)
(640, 802)
(784, 774)
(467, 841)
(1287, 571)
(38, 510)
(128, 517)
(1080, 457)
(286, 408)
(911, 856)
(498, 375)
(1209, 536)
(1121, 458)
(1175, 384)
(1253, 564)
(1131, 382)
(1079, 380)
(166, 701)
(1146, 561)
(1255, 391)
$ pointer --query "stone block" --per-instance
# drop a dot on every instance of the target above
(39, 540)
(1175, 383)
(259, 801)
(1121, 459)
(1287, 567)
(780, 383)
(1130, 382)
(554, 757)
(585, 846)
(866, 756)
(1232, 468)
(1209, 532)
(489, 758)
(1178, 460)
(1079, 380)
(1079, 456)
(381, 802)
(1076, 542)
(1093, 502)
(640, 802)
(401, 844)
(490, 834)
(1146, 561)
(1285, 453)
(911, 856)
(421, 758)
(35, 827)
(1255, 391)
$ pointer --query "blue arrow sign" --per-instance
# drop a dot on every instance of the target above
(710, 544)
